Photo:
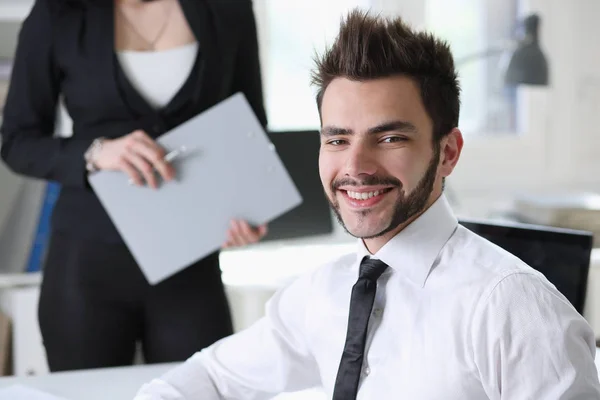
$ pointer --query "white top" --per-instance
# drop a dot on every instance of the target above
(455, 318)
(158, 75)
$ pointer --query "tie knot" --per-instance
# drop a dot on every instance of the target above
(371, 268)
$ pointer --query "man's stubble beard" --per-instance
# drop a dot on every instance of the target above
(406, 207)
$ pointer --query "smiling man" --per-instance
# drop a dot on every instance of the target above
(380, 157)
(424, 308)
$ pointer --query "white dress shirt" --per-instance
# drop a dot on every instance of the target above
(455, 318)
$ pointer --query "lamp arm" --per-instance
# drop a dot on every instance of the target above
(489, 52)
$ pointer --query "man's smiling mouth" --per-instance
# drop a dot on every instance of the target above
(366, 195)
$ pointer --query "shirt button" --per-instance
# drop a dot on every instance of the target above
(367, 371)
(377, 312)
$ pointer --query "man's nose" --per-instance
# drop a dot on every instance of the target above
(361, 160)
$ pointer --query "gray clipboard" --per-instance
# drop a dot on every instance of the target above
(229, 170)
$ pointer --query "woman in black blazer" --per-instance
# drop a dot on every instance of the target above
(95, 304)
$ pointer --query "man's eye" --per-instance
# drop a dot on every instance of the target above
(336, 142)
(393, 139)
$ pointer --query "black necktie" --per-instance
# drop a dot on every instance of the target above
(361, 303)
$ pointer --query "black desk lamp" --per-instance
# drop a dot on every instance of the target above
(528, 64)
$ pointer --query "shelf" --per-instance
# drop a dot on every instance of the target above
(14, 10)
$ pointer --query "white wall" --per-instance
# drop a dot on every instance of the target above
(10, 185)
(8, 32)
(19, 198)
(19, 226)
(560, 149)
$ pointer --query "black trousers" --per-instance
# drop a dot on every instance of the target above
(95, 306)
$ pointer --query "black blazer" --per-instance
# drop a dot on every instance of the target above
(67, 47)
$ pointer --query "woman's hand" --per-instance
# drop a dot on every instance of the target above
(240, 233)
(136, 154)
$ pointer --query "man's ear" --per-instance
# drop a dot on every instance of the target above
(451, 147)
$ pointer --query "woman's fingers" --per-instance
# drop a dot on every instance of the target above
(132, 172)
(240, 233)
(154, 155)
(144, 168)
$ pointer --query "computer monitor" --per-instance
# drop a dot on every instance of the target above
(299, 152)
(562, 255)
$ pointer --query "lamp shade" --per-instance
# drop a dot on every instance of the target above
(527, 64)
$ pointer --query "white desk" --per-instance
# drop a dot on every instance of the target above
(101, 384)
(113, 383)
(122, 383)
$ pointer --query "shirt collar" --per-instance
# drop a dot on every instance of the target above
(413, 251)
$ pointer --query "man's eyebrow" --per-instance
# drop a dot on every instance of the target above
(335, 131)
(394, 126)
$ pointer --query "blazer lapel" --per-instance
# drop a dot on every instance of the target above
(105, 29)
(98, 44)
(204, 21)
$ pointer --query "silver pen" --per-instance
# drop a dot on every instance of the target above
(172, 155)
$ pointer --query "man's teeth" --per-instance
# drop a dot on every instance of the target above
(364, 195)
